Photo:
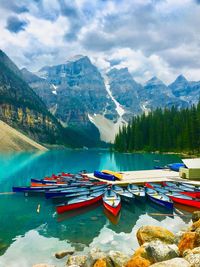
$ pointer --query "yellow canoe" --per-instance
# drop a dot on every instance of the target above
(116, 174)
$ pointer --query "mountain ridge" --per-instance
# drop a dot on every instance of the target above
(75, 93)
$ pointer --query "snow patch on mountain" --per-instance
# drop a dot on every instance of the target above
(54, 88)
(107, 128)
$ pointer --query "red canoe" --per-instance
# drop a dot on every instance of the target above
(185, 189)
(192, 194)
(112, 202)
(33, 184)
(80, 202)
(185, 200)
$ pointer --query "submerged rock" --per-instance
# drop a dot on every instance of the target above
(176, 262)
(79, 260)
(150, 233)
(62, 254)
(3, 247)
(159, 251)
(195, 216)
(193, 256)
(118, 258)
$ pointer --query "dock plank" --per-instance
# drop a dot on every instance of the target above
(140, 177)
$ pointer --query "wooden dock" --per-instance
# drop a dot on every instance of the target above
(140, 177)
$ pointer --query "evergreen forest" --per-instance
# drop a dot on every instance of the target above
(162, 130)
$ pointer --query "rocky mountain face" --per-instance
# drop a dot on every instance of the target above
(21, 108)
(41, 87)
(75, 89)
(186, 90)
(75, 92)
(155, 94)
(125, 90)
(136, 98)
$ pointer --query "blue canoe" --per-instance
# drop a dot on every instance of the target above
(160, 167)
(124, 193)
(104, 176)
(35, 189)
(40, 181)
(138, 192)
(176, 166)
(159, 198)
(69, 191)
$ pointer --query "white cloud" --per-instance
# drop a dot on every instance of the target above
(149, 37)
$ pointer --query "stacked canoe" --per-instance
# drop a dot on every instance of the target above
(108, 175)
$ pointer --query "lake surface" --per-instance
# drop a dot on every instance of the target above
(28, 237)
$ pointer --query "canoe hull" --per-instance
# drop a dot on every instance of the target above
(186, 202)
(192, 194)
(160, 202)
(114, 210)
(104, 176)
(116, 174)
(33, 189)
(64, 208)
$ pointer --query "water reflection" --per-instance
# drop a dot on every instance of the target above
(138, 161)
(24, 231)
(113, 219)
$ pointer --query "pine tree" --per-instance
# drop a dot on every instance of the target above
(163, 130)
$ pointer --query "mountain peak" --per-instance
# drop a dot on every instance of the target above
(77, 58)
(154, 81)
(122, 71)
(181, 78)
(179, 82)
(7, 62)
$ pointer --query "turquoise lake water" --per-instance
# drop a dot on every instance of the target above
(28, 237)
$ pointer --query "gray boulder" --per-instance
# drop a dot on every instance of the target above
(193, 256)
(176, 262)
(160, 251)
(118, 258)
(76, 260)
(96, 254)
(195, 216)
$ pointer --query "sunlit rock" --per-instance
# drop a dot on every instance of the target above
(188, 241)
(150, 233)
(176, 262)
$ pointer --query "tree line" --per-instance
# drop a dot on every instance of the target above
(162, 130)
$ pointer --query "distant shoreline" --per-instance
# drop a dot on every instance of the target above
(181, 154)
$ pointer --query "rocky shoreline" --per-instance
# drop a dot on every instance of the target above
(158, 248)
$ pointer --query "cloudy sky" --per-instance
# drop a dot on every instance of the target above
(150, 37)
